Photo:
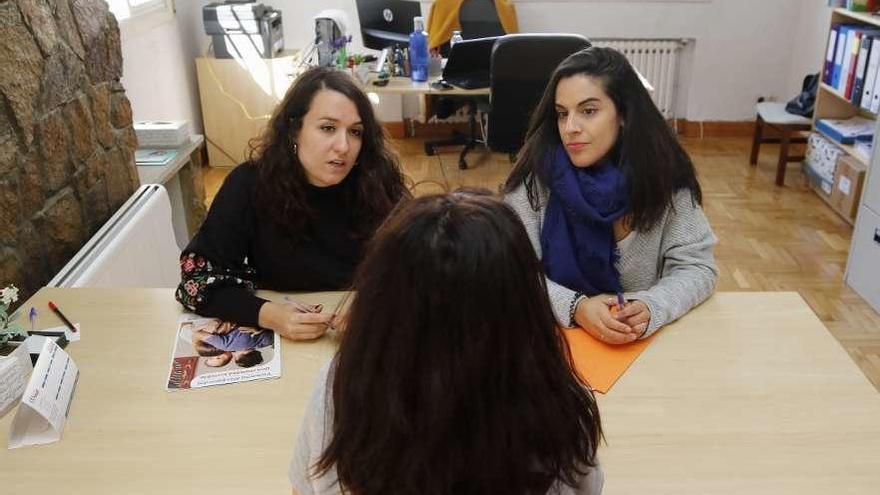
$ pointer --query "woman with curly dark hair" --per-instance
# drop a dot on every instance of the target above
(452, 375)
(296, 216)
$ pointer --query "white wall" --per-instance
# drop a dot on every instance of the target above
(743, 49)
(299, 25)
(811, 38)
(158, 64)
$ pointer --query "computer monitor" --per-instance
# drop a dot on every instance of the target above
(387, 22)
(468, 64)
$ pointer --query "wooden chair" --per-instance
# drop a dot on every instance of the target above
(790, 128)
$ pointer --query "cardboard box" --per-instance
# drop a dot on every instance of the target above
(817, 182)
(821, 158)
(159, 134)
(849, 175)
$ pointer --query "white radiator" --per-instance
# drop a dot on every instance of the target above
(657, 61)
(135, 248)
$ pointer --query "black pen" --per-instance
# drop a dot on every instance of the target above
(58, 312)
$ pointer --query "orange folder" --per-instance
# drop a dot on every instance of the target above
(600, 364)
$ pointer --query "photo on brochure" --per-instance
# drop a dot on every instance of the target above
(210, 351)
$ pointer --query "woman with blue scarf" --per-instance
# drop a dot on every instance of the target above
(611, 203)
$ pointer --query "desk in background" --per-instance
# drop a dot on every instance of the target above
(748, 393)
(391, 109)
(405, 85)
(238, 97)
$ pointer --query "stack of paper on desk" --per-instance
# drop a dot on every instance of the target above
(601, 364)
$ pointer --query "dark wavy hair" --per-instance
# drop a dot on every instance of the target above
(374, 185)
(452, 375)
(647, 151)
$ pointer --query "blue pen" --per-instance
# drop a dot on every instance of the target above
(620, 301)
(32, 316)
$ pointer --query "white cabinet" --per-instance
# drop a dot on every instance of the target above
(863, 265)
(871, 191)
(863, 273)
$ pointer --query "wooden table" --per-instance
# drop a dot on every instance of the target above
(405, 85)
(747, 394)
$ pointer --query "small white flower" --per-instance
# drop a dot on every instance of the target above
(9, 295)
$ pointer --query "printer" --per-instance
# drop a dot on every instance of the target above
(243, 29)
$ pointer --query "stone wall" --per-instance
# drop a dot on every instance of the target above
(66, 138)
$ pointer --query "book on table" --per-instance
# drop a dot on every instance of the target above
(210, 351)
(153, 156)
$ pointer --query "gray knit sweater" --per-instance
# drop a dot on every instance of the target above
(670, 268)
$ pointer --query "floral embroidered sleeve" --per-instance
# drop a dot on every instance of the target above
(198, 276)
(215, 279)
(220, 292)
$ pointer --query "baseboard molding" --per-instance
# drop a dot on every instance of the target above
(713, 129)
(438, 130)
(396, 130)
(686, 128)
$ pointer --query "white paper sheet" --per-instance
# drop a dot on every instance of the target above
(46, 401)
(70, 336)
(14, 372)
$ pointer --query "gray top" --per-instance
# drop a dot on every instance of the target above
(670, 268)
(314, 435)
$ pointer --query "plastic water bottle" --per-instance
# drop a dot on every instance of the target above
(456, 37)
(418, 50)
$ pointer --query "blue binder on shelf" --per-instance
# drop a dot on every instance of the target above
(845, 131)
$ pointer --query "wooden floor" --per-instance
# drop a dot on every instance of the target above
(770, 238)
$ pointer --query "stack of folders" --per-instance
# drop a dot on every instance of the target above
(852, 63)
(846, 131)
(153, 157)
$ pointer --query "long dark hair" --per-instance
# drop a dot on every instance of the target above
(452, 375)
(647, 151)
(373, 186)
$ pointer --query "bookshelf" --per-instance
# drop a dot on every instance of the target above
(831, 104)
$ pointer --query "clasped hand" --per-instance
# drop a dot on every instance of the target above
(596, 316)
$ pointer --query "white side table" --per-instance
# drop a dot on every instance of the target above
(169, 176)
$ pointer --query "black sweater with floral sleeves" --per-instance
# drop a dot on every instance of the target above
(239, 249)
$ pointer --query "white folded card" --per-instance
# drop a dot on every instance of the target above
(46, 401)
(14, 371)
(70, 336)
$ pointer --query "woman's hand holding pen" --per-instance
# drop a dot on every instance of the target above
(594, 315)
(291, 322)
(635, 314)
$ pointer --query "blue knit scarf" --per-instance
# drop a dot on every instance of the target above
(577, 239)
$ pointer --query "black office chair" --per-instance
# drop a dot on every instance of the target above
(478, 19)
(520, 70)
